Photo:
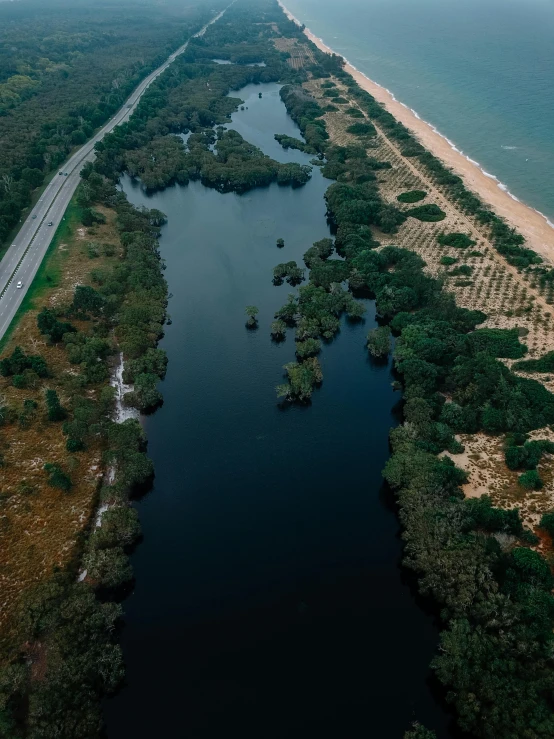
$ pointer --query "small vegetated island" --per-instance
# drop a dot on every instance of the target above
(479, 563)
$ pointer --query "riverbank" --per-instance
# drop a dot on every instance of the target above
(534, 226)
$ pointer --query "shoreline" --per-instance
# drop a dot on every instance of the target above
(531, 223)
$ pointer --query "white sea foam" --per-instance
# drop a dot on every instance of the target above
(500, 184)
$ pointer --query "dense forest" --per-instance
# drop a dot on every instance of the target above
(65, 68)
(474, 561)
(194, 99)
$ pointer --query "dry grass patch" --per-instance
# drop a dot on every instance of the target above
(40, 524)
(483, 460)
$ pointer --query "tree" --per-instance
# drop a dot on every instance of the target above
(530, 480)
(57, 477)
(547, 523)
(251, 311)
(145, 394)
(378, 341)
(278, 330)
(87, 300)
(55, 410)
(120, 527)
(109, 568)
(419, 732)
(308, 348)
(48, 324)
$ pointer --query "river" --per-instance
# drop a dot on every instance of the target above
(269, 600)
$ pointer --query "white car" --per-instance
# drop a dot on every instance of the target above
(19, 285)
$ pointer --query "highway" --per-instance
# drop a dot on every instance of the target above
(24, 257)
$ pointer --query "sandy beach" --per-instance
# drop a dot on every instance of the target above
(531, 224)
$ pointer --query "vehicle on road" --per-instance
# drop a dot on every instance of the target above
(65, 174)
(34, 217)
(19, 285)
(50, 223)
(61, 174)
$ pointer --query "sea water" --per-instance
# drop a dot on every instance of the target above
(480, 71)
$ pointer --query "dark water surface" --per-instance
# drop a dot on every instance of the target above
(268, 601)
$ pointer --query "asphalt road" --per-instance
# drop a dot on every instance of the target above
(24, 257)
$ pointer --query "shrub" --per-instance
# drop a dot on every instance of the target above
(308, 348)
(145, 394)
(498, 342)
(530, 480)
(57, 477)
(74, 445)
(379, 342)
(109, 568)
(289, 271)
(430, 213)
(49, 325)
(302, 379)
(419, 732)
(251, 311)
(547, 523)
(542, 364)
(278, 329)
(361, 129)
(456, 239)
(355, 113)
(120, 527)
(18, 362)
(463, 269)
(55, 410)
(447, 261)
(413, 196)
(528, 456)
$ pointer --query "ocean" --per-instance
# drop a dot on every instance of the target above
(481, 72)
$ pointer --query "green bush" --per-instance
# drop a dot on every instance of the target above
(120, 527)
(547, 523)
(530, 480)
(57, 477)
(303, 377)
(456, 239)
(430, 213)
(463, 269)
(108, 568)
(412, 196)
(498, 342)
(447, 261)
(542, 364)
(55, 410)
(18, 362)
(379, 341)
(74, 445)
(354, 113)
(361, 129)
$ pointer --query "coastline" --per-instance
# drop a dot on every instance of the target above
(533, 225)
